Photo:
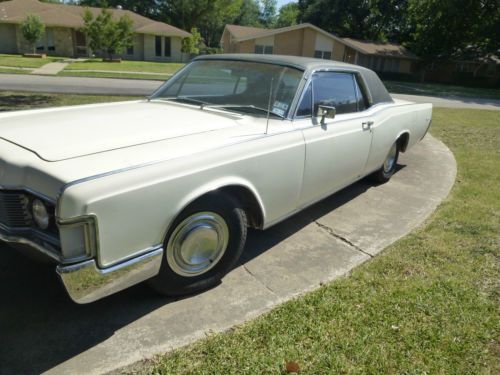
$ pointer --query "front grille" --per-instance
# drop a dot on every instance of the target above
(14, 212)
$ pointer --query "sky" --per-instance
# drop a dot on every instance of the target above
(283, 2)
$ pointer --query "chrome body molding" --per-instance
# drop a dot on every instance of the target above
(86, 283)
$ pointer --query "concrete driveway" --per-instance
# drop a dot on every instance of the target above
(108, 86)
(41, 330)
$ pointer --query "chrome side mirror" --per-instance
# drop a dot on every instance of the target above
(325, 112)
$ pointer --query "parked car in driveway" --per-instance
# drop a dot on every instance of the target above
(164, 189)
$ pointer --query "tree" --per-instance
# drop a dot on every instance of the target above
(288, 15)
(209, 16)
(353, 18)
(146, 8)
(267, 12)
(107, 35)
(249, 14)
(453, 28)
(191, 44)
(32, 29)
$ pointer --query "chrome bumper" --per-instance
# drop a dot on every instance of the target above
(86, 283)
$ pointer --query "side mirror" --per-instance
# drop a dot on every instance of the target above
(325, 112)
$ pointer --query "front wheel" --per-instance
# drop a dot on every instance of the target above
(203, 244)
(385, 172)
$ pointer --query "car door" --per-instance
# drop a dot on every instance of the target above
(336, 149)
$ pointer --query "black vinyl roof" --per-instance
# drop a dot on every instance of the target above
(374, 85)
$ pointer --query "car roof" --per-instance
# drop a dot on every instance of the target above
(303, 63)
(375, 89)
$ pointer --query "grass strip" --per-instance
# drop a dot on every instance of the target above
(12, 101)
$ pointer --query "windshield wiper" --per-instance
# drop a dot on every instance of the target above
(184, 99)
(234, 107)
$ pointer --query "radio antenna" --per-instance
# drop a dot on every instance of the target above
(269, 104)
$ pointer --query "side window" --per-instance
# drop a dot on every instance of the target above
(336, 90)
(305, 105)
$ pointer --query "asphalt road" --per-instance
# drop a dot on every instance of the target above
(133, 87)
(42, 331)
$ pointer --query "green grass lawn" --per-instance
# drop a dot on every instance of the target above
(434, 89)
(427, 305)
(14, 71)
(11, 101)
(70, 73)
(19, 61)
(126, 66)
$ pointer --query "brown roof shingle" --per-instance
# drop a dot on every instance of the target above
(15, 11)
(245, 31)
(380, 48)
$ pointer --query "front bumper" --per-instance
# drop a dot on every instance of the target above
(30, 244)
(86, 283)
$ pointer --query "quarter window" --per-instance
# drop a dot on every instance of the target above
(362, 102)
(336, 90)
(305, 106)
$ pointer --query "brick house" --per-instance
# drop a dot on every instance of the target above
(311, 41)
(153, 40)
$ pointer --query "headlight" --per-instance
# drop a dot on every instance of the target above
(40, 214)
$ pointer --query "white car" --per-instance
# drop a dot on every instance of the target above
(164, 189)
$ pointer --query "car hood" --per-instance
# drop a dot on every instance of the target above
(64, 133)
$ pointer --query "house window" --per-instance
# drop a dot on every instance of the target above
(326, 55)
(50, 40)
(130, 50)
(263, 50)
(168, 47)
(40, 45)
(158, 46)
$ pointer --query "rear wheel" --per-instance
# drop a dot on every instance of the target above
(204, 243)
(385, 172)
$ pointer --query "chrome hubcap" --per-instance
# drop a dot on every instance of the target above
(197, 244)
(391, 158)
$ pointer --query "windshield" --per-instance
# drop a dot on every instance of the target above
(234, 85)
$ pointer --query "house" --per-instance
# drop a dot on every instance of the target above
(153, 41)
(311, 41)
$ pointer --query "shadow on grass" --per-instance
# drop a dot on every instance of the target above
(12, 102)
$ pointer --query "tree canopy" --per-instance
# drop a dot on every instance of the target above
(107, 35)
(430, 28)
(288, 15)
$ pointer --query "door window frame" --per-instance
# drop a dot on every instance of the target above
(358, 78)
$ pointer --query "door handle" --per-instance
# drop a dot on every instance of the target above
(367, 125)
